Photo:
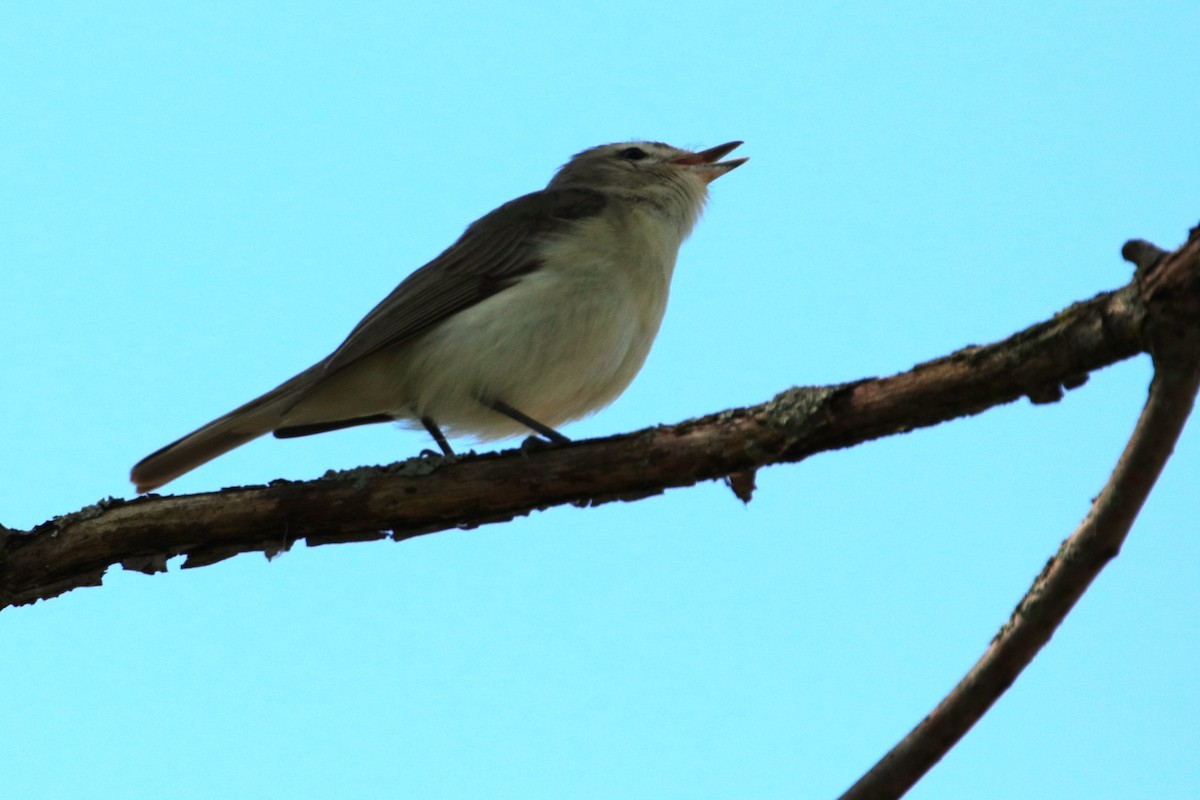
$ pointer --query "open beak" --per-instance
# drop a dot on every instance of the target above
(706, 164)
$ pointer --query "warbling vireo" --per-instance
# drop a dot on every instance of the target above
(541, 313)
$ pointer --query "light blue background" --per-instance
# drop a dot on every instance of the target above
(199, 199)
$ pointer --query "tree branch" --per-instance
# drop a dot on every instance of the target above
(420, 496)
(1170, 289)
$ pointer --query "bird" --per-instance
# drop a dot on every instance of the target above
(541, 313)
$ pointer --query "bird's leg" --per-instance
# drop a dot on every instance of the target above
(504, 408)
(437, 435)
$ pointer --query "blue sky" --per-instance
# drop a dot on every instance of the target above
(199, 199)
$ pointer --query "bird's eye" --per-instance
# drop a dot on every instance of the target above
(633, 153)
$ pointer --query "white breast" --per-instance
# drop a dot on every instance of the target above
(562, 343)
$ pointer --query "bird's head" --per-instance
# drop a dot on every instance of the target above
(635, 165)
(670, 178)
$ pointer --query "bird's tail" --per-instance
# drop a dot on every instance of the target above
(256, 418)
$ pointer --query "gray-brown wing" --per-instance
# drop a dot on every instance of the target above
(493, 253)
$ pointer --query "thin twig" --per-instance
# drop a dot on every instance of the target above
(1175, 343)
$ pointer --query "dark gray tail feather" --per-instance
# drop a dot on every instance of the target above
(294, 431)
(256, 418)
